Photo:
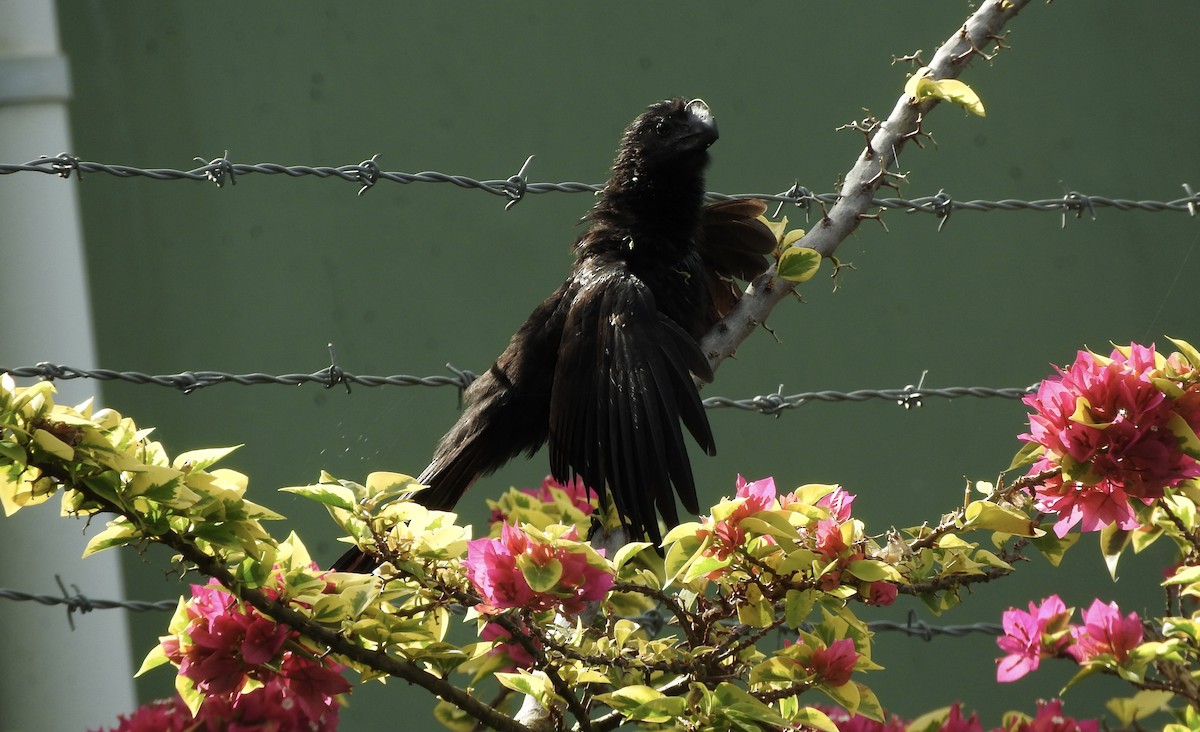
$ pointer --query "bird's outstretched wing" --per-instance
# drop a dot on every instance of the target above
(733, 243)
(623, 390)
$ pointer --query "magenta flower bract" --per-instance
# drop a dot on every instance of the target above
(492, 569)
(224, 645)
(1105, 632)
(1023, 641)
(1050, 718)
(1105, 424)
(834, 663)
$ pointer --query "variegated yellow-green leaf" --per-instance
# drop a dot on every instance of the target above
(51, 444)
(627, 552)
(1052, 547)
(798, 605)
(799, 264)
(337, 496)
(117, 533)
(201, 459)
(814, 718)
(756, 614)
(1113, 541)
(1133, 709)
(630, 697)
(994, 517)
(872, 570)
(922, 87)
(541, 577)
(1188, 441)
(1187, 350)
(658, 711)
(1029, 452)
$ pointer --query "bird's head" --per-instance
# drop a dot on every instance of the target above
(673, 132)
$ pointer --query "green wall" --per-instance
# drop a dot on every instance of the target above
(1095, 96)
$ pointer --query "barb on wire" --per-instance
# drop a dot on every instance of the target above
(916, 627)
(514, 188)
(76, 601)
(189, 381)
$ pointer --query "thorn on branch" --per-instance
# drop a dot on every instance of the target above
(912, 59)
(877, 216)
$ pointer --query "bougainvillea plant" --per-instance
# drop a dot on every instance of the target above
(684, 636)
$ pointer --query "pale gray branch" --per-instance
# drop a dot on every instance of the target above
(871, 170)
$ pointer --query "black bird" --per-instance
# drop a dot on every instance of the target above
(603, 368)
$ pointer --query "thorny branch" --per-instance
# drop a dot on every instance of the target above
(859, 186)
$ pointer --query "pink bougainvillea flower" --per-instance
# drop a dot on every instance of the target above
(727, 533)
(223, 645)
(759, 494)
(847, 722)
(1105, 632)
(955, 722)
(882, 593)
(1050, 718)
(518, 655)
(493, 569)
(838, 502)
(1105, 423)
(834, 663)
(1024, 641)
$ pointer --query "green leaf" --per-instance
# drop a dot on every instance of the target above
(1185, 576)
(337, 496)
(117, 533)
(1052, 547)
(1188, 441)
(755, 614)
(1029, 452)
(155, 658)
(1187, 350)
(921, 86)
(994, 517)
(798, 605)
(541, 577)
(627, 552)
(51, 444)
(630, 697)
(659, 711)
(1130, 710)
(873, 570)
(799, 264)
(1113, 541)
(815, 718)
(200, 459)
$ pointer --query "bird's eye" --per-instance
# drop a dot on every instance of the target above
(663, 128)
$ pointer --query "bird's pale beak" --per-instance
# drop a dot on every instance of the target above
(704, 125)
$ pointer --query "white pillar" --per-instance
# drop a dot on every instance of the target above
(50, 678)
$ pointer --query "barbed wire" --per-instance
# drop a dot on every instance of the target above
(514, 188)
(76, 601)
(910, 396)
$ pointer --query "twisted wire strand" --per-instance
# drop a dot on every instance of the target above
(368, 173)
(76, 601)
(189, 381)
